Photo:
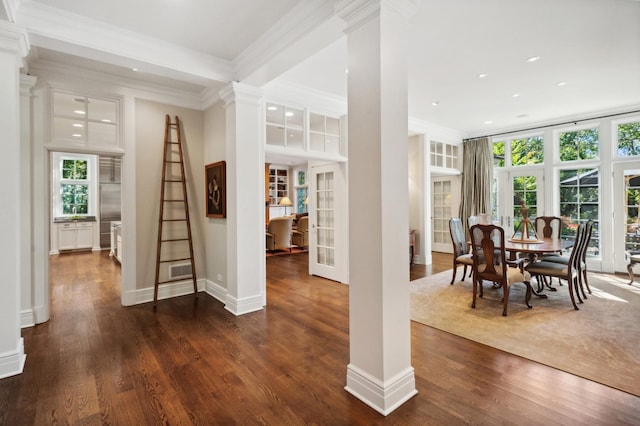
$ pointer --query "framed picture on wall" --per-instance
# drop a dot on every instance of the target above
(216, 189)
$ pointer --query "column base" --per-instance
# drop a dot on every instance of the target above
(382, 397)
(12, 363)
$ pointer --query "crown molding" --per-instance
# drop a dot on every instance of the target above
(292, 94)
(358, 12)
(14, 39)
(59, 30)
(302, 20)
(76, 78)
(8, 9)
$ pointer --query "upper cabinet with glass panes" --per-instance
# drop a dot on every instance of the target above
(285, 126)
(444, 155)
(289, 129)
(84, 121)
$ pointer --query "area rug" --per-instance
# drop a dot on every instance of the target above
(600, 342)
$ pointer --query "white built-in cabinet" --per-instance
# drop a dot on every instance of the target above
(75, 235)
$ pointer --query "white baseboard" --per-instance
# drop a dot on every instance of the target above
(12, 363)
(243, 306)
(182, 288)
(382, 397)
(167, 291)
(27, 318)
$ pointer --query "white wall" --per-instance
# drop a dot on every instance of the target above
(215, 229)
(150, 126)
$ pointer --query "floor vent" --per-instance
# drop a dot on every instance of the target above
(180, 270)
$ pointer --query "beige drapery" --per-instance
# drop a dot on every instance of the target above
(477, 176)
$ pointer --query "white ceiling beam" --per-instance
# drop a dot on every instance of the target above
(62, 31)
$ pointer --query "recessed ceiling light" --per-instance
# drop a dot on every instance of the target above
(533, 59)
(289, 114)
(435, 103)
(77, 125)
(106, 120)
(482, 75)
(79, 111)
(562, 83)
(76, 135)
(134, 69)
(515, 95)
(488, 122)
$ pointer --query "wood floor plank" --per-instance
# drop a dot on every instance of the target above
(190, 361)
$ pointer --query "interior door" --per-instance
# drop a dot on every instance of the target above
(327, 202)
(626, 199)
(445, 201)
(513, 188)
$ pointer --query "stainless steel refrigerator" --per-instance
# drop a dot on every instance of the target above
(110, 201)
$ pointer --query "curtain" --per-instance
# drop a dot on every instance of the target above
(477, 176)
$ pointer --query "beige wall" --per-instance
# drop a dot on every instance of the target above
(215, 229)
(150, 124)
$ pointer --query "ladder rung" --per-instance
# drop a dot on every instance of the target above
(174, 201)
(174, 220)
(173, 143)
(176, 162)
(174, 239)
(173, 180)
(174, 260)
(176, 280)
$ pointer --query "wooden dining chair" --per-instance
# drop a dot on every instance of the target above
(548, 227)
(461, 255)
(582, 246)
(568, 272)
(490, 264)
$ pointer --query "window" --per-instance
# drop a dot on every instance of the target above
(629, 139)
(73, 187)
(526, 151)
(301, 191)
(579, 195)
(498, 154)
(73, 184)
(444, 155)
(579, 145)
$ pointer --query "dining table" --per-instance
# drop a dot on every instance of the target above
(536, 248)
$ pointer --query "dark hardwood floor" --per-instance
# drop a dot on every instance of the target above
(193, 362)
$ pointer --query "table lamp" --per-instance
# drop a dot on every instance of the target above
(286, 202)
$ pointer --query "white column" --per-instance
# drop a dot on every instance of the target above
(379, 372)
(246, 285)
(13, 47)
(27, 318)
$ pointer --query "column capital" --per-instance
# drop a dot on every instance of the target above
(358, 12)
(13, 39)
(234, 92)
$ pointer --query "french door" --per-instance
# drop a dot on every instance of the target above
(626, 199)
(513, 189)
(445, 200)
(327, 201)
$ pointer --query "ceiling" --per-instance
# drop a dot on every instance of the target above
(592, 46)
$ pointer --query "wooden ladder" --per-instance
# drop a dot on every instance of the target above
(174, 214)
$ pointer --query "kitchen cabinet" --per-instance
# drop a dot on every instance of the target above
(75, 235)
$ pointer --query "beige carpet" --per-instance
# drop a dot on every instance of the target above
(600, 342)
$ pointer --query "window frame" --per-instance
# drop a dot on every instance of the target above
(57, 181)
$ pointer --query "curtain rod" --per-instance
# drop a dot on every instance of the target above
(552, 125)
